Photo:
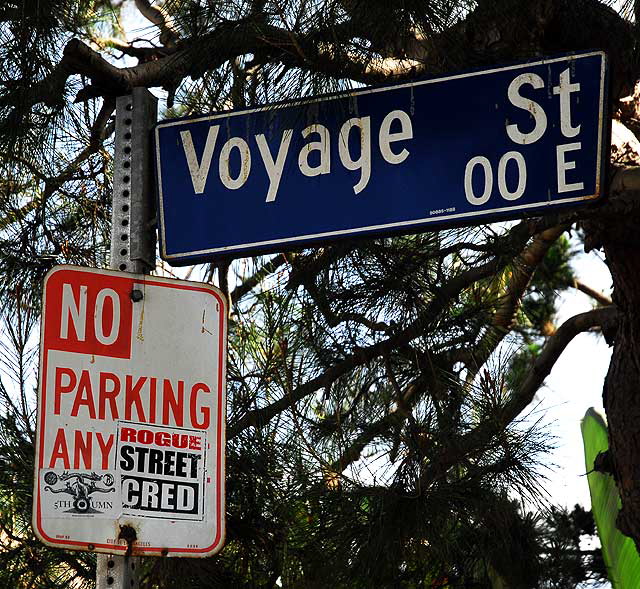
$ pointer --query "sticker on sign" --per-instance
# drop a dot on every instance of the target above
(131, 414)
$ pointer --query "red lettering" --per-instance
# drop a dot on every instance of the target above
(205, 411)
(179, 440)
(163, 439)
(132, 397)
(84, 386)
(87, 333)
(105, 448)
(105, 395)
(59, 388)
(153, 381)
(170, 402)
(60, 450)
(82, 448)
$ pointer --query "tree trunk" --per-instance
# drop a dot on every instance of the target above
(617, 230)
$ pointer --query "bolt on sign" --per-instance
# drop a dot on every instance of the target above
(131, 414)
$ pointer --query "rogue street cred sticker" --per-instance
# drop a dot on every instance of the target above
(162, 471)
(130, 413)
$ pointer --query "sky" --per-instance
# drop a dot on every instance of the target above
(574, 385)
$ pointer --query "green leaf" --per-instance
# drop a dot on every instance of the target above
(619, 551)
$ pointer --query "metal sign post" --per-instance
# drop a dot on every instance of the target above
(133, 246)
(131, 393)
(116, 572)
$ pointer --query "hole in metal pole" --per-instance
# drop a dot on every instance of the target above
(109, 580)
(124, 237)
(125, 193)
(126, 179)
(111, 564)
(127, 121)
(125, 208)
(125, 222)
(127, 150)
(129, 106)
(127, 135)
(122, 267)
(127, 164)
(123, 251)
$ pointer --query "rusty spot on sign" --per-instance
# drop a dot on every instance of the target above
(129, 535)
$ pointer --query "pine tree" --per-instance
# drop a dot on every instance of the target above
(378, 390)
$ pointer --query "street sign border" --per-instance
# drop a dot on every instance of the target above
(412, 226)
(220, 486)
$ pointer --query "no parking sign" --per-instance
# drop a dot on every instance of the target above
(131, 414)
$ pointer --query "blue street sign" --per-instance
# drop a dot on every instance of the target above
(471, 147)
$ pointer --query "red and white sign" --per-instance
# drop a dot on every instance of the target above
(131, 413)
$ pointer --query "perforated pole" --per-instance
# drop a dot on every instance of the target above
(133, 238)
(133, 244)
(116, 572)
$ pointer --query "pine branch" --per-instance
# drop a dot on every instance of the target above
(393, 419)
(599, 297)
(252, 281)
(480, 436)
(445, 296)
(100, 129)
(523, 269)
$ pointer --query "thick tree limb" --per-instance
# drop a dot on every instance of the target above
(196, 56)
(523, 269)
(141, 53)
(325, 49)
(602, 317)
(610, 221)
(625, 179)
(615, 228)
